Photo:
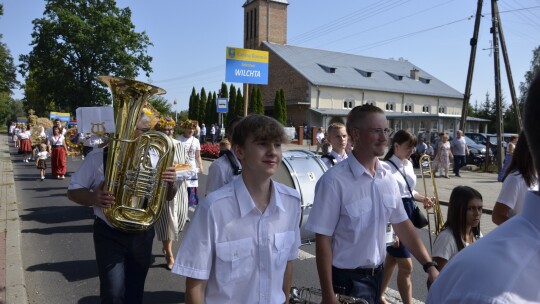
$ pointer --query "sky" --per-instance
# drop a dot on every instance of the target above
(190, 37)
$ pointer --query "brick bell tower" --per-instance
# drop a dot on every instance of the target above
(265, 20)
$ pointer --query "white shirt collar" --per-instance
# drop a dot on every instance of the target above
(246, 203)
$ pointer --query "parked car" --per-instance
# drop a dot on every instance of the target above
(477, 152)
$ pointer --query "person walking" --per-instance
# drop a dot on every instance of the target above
(508, 157)
(203, 134)
(41, 160)
(193, 148)
(354, 202)
(123, 258)
(57, 144)
(398, 157)
(174, 215)
(443, 156)
(459, 151)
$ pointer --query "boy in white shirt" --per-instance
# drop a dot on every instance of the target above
(337, 136)
(243, 237)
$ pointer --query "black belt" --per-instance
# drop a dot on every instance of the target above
(56, 146)
(364, 271)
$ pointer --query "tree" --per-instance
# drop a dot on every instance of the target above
(277, 106)
(283, 106)
(239, 106)
(203, 112)
(529, 75)
(73, 43)
(8, 80)
(192, 104)
(232, 105)
(256, 102)
(161, 105)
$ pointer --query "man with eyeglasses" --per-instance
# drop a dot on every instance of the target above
(353, 204)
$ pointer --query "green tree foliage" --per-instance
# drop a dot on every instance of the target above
(529, 75)
(192, 104)
(277, 107)
(283, 106)
(223, 93)
(213, 109)
(8, 81)
(202, 106)
(73, 43)
(232, 105)
(209, 117)
(256, 102)
(161, 105)
(239, 105)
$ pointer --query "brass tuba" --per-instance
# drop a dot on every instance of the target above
(438, 220)
(136, 183)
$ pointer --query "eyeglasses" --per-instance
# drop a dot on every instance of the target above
(379, 131)
(144, 130)
(376, 131)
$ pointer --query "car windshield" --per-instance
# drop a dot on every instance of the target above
(469, 141)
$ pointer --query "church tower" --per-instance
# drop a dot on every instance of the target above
(265, 20)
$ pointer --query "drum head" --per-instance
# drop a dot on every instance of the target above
(301, 170)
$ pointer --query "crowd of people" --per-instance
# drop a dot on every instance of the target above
(245, 232)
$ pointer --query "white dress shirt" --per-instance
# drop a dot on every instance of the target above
(406, 168)
(220, 173)
(502, 267)
(354, 207)
(239, 250)
(337, 157)
(513, 192)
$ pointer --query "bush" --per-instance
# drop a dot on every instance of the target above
(210, 150)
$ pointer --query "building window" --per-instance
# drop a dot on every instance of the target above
(390, 107)
(425, 109)
(442, 110)
(408, 108)
(370, 102)
(348, 103)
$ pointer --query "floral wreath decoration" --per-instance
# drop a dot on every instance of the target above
(189, 124)
(165, 122)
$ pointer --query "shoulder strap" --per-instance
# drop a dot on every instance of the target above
(232, 160)
(404, 177)
(105, 153)
(331, 158)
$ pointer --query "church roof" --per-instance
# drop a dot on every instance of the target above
(335, 69)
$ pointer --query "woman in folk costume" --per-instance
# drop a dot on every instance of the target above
(57, 144)
(174, 214)
(193, 148)
(25, 144)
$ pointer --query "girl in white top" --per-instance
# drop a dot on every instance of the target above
(193, 148)
(41, 160)
(519, 178)
(398, 155)
(462, 226)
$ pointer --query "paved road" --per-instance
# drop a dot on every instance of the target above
(57, 247)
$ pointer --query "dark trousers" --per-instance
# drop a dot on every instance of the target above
(351, 282)
(123, 260)
(203, 139)
(459, 161)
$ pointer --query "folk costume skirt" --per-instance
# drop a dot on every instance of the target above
(58, 161)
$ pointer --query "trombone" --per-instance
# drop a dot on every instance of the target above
(435, 226)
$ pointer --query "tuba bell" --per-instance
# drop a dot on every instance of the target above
(129, 173)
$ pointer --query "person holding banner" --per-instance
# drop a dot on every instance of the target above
(57, 146)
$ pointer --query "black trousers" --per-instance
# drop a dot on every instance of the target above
(351, 282)
(123, 261)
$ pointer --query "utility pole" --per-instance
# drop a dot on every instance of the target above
(498, 101)
(473, 43)
(498, 36)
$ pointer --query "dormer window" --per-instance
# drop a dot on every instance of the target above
(364, 73)
(425, 80)
(395, 76)
(327, 69)
(370, 102)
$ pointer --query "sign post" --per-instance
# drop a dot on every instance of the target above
(246, 66)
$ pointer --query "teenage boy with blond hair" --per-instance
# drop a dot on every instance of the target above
(337, 136)
(243, 237)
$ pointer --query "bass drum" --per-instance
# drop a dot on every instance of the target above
(300, 169)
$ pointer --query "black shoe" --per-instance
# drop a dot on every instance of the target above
(457, 175)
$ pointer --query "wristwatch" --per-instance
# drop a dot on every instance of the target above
(429, 264)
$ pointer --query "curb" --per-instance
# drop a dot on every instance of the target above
(15, 289)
